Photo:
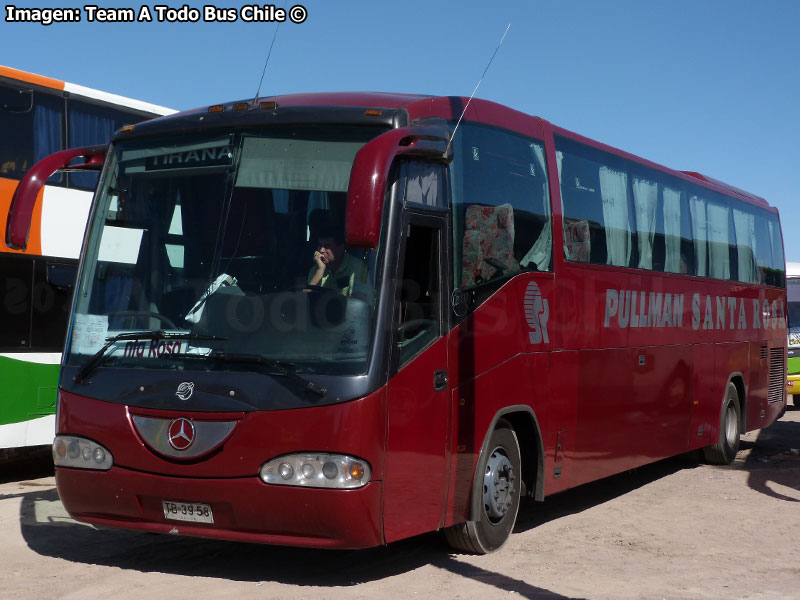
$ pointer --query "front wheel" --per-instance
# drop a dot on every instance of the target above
(498, 482)
(724, 451)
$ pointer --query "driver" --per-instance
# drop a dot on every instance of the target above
(335, 269)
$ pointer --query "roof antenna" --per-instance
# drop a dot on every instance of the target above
(463, 112)
(266, 62)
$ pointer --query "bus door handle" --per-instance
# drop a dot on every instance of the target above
(439, 381)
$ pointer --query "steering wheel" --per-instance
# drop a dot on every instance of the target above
(144, 313)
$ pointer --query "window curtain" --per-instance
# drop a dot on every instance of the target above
(88, 130)
(46, 135)
(645, 199)
(672, 231)
(744, 225)
(719, 264)
(46, 131)
(614, 193)
(777, 246)
(697, 208)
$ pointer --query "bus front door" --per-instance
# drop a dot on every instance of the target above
(416, 461)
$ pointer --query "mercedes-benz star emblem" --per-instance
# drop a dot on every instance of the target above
(180, 434)
(185, 390)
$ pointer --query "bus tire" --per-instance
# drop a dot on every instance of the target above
(724, 451)
(796, 400)
(499, 483)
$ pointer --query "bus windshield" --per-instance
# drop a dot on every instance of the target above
(227, 245)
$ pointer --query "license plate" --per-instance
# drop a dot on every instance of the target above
(187, 511)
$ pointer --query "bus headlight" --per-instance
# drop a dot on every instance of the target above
(338, 471)
(80, 453)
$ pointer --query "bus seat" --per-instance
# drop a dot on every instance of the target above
(501, 249)
(488, 243)
(577, 240)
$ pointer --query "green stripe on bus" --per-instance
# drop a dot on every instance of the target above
(793, 365)
(29, 390)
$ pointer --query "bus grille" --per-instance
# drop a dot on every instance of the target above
(777, 374)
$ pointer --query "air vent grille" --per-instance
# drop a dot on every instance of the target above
(777, 374)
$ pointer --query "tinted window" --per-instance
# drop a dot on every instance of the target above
(501, 205)
(425, 184)
(663, 222)
(777, 274)
(51, 297)
(91, 125)
(36, 299)
(31, 124)
(15, 310)
(618, 212)
(598, 206)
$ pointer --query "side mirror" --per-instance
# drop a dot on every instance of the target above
(21, 211)
(370, 174)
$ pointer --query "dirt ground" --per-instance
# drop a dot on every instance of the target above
(676, 529)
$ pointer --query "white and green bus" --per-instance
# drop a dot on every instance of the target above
(39, 116)
(793, 298)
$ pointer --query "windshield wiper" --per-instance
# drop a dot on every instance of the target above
(284, 368)
(157, 334)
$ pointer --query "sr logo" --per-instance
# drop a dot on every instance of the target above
(185, 390)
(537, 311)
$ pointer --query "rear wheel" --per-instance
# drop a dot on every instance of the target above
(724, 451)
(498, 484)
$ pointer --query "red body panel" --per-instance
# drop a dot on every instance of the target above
(257, 437)
(417, 452)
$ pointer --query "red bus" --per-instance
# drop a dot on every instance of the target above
(316, 320)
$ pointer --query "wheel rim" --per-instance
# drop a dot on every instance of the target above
(498, 485)
(731, 426)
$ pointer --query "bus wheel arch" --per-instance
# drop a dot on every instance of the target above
(509, 464)
(723, 451)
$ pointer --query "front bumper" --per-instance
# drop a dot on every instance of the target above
(245, 509)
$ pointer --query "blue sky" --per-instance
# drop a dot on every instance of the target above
(704, 85)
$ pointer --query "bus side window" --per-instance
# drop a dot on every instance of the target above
(419, 319)
(53, 283)
(584, 233)
(32, 126)
(16, 273)
(597, 188)
(501, 205)
(424, 184)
